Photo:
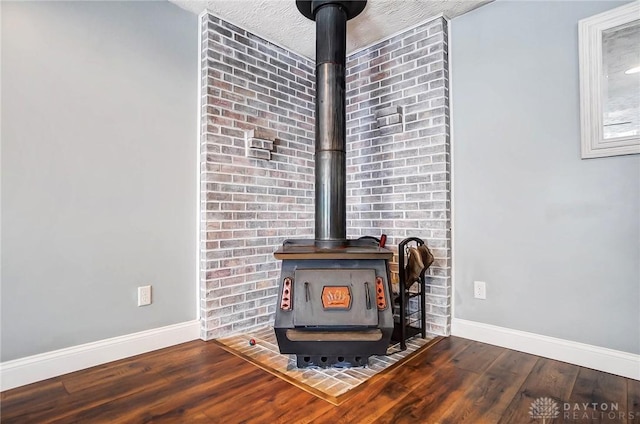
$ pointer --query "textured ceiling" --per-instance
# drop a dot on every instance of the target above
(280, 22)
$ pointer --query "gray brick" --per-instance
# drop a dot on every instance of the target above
(256, 143)
(380, 92)
(231, 27)
(389, 120)
(262, 133)
(243, 40)
(244, 58)
(390, 47)
(219, 66)
(258, 55)
(436, 38)
(431, 76)
(219, 29)
(435, 57)
(233, 44)
(386, 111)
(391, 129)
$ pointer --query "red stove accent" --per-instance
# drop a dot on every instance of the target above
(285, 303)
(381, 300)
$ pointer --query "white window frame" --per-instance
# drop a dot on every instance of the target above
(590, 31)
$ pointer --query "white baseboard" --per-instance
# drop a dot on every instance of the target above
(589, 356)
(58, 362)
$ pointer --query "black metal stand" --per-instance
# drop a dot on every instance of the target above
(403, 319)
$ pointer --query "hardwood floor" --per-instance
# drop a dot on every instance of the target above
(456, 381)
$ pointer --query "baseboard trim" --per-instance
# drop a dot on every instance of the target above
(20, 372)
(589, 356)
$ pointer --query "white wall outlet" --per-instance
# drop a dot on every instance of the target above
(144, 295)
(479, 289)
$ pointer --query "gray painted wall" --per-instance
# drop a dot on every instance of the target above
(99, 165)
(556, 238)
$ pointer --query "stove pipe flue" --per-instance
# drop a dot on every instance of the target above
(330, 161)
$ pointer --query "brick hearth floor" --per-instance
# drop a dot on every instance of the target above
(332, 382)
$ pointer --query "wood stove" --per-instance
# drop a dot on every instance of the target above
(334, 307)
(334, 303)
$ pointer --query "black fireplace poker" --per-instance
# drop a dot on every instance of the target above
(330, 161)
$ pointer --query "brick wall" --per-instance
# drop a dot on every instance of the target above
(256, 171)
(398, 151)
(257, 162)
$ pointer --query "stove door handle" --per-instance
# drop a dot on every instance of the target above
(367, 294)
(307, 295)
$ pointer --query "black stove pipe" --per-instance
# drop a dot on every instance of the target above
(330, 160)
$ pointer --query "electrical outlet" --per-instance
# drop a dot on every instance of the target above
(479, 289)
(144, 295)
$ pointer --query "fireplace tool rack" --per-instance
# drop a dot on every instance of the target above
(414, 321)
(409, 323)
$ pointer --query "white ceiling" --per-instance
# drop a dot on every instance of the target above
(280, 22)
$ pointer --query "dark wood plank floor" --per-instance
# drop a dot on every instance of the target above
(456, 381)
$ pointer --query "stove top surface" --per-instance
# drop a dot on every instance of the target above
(353, 249)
